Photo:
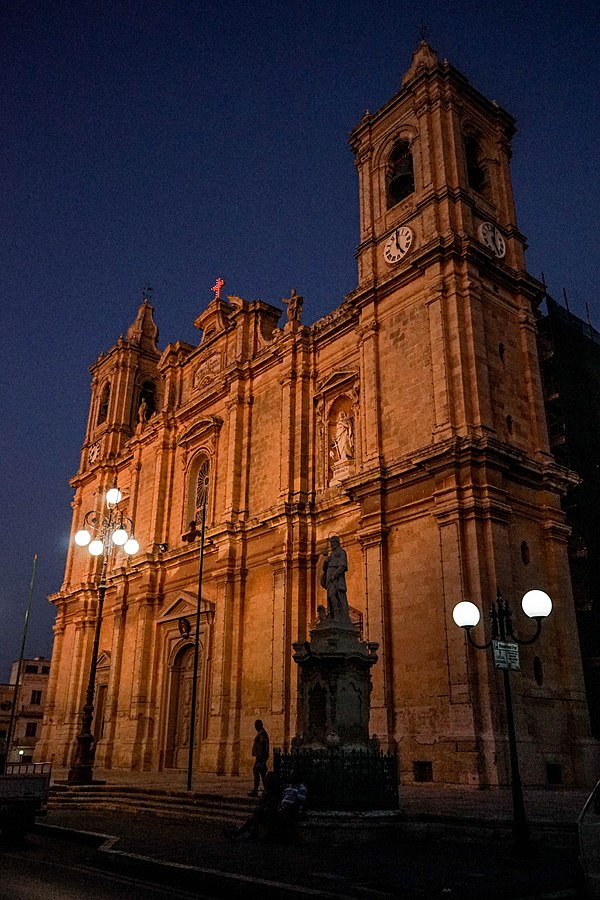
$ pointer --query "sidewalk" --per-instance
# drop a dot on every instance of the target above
(415, 861)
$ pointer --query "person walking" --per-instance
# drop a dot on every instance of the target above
(260, 752)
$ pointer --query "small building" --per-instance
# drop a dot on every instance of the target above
(28, 708)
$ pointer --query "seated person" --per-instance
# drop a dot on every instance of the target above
(292, 802)
(264, 821)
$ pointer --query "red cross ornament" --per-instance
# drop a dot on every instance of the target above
(217, 288)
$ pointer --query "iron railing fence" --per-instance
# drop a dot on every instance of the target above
(342, 779)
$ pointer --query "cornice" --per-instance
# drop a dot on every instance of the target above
(343, 317)
(372, 535)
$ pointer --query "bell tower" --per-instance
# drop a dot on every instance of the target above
(438, 226)
(125, 389)
(452, 426)
(434, 176)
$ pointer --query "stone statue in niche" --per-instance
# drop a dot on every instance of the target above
(333, 579)
(142, 411)
(343, 441)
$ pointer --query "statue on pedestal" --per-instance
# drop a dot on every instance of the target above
(332, 751)
(333, 579)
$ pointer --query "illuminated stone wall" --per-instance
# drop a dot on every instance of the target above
(409, 421)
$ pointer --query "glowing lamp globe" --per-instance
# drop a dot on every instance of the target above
(113, 496)
(82, 538)
(119, 537)
(131, 546)
(466, 614)
(96, 547)
(536, 604)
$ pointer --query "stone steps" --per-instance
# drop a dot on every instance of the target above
(228, 809)
(168, 804)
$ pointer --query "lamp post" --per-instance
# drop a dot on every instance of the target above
(201, 497)
(17, 687)
(102, 532)
(536, 605)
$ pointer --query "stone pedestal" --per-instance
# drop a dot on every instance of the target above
(341, 470)
(332, 753)
(335, 684)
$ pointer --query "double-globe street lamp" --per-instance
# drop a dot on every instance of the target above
(536, 605)
(101, 534)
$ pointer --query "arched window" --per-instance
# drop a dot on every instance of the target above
(475, 170)
(103, 407)
(400, 180)
(201, 492)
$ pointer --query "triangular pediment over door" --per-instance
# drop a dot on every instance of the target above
(183, 605)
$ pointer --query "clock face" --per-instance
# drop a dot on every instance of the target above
(398, 244)
(491, 236)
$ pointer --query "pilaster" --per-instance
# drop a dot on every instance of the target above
(377, 628)
(369, 391)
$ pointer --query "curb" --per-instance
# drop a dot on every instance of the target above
(193, 878)
(216, 882)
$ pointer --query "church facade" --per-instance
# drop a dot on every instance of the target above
(409, 422)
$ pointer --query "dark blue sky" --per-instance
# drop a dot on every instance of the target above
(166, 143)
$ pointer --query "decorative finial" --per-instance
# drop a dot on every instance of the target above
(217, 288)
(423, 31)
(146, 292)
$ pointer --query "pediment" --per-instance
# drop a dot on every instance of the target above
(342, 378)
(183, 605)
(103, 659)
(207, 427)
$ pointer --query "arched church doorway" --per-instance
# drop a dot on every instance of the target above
(180, 707)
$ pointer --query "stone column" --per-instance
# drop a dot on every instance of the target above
(286, 466)
(45, 750)
(233, 483)
(142, 686)
(80, 664)
(470, 730)
(533, 385)
(373, 541)
(442, 391)
(117, 645)
(369, 392)
(224, 729)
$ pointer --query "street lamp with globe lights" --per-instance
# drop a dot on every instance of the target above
(102, 532)
(536, 605)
